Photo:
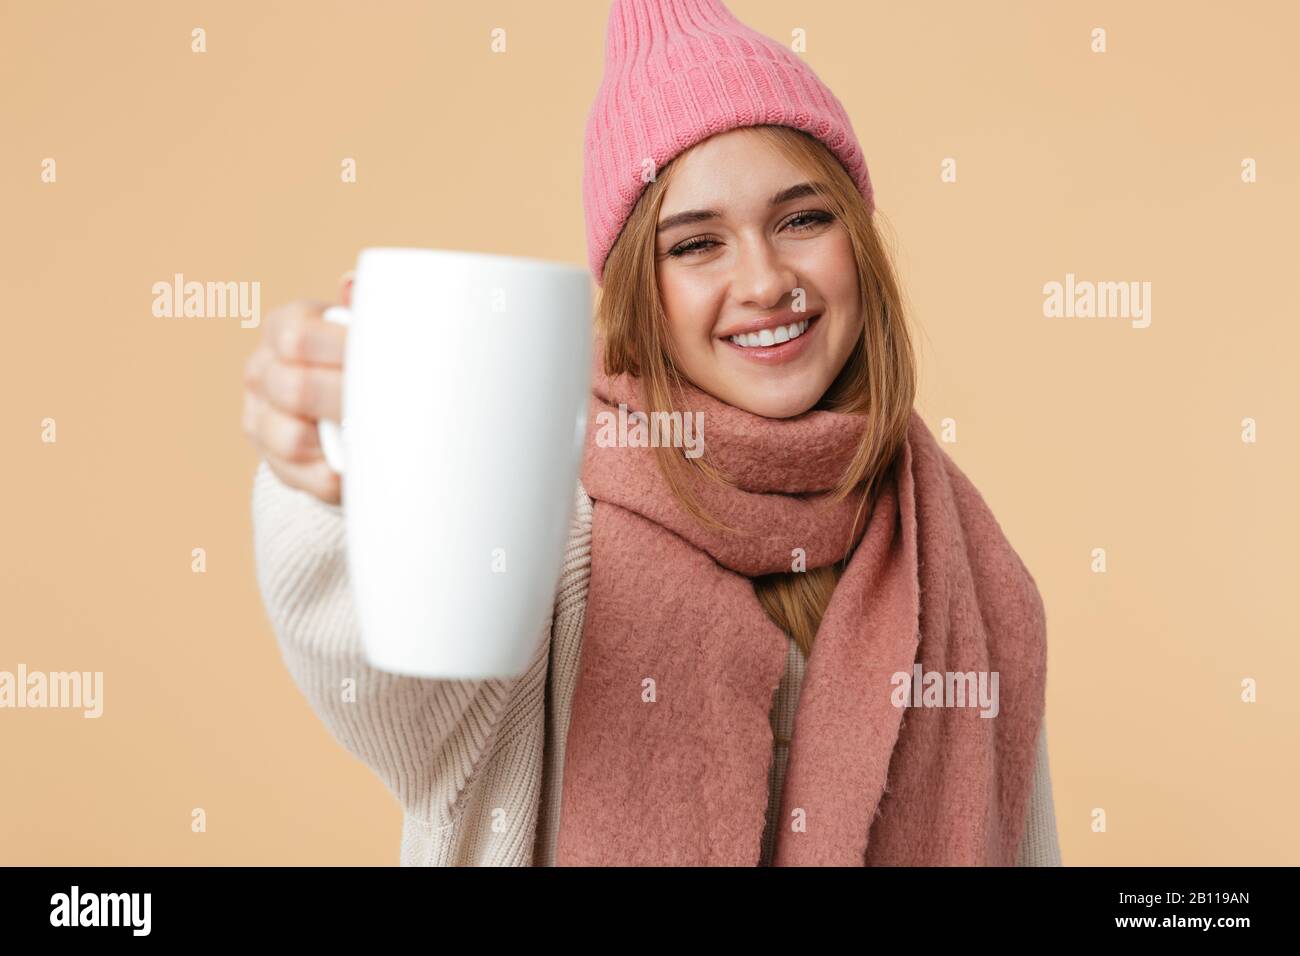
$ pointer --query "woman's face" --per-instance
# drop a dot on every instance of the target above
(730, 262)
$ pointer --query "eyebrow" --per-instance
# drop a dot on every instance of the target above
(702, 215)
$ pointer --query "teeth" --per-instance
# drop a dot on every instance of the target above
(782, 333)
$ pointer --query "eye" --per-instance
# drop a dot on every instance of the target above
(813, 217)
(690, 246)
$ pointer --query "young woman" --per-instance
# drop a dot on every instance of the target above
(809, 645)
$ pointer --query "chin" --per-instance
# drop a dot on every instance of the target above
(786, 404)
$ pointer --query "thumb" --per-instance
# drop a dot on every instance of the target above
(345, 287)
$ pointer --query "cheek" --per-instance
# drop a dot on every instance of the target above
(837, 272)
(836, 277)
(690, 311)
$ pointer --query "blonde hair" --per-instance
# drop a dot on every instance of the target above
(878, 380)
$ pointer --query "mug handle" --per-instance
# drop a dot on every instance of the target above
(332, 433)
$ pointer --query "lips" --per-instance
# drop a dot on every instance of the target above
(765, 338)
(780, 351)
(787, 318)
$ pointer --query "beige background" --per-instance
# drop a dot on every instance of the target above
(1122, 166)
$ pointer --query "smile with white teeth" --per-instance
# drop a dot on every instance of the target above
(782, 333)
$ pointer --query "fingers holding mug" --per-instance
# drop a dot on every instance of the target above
(306, 391)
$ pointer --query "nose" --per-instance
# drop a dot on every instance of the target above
(762, 278)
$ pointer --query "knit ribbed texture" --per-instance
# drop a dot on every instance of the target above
(783, 711)
(676, 73)
(1040, 846)
(475, 765)
(427, 740)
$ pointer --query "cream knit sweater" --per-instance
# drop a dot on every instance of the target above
(476, 765)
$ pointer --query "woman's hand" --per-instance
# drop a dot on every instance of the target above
(292, 380)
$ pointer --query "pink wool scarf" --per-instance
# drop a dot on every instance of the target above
(670, 741)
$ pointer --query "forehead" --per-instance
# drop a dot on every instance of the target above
(735, 169)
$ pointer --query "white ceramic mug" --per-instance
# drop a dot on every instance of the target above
(465, 386)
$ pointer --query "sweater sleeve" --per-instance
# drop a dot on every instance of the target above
(422, 737)
(1040, 845)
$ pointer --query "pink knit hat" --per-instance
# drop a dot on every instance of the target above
(677, 72)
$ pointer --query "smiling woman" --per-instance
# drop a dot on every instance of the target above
(757, 229)
(750, 231)
(748, 280)
(754, 272)
(714, 687)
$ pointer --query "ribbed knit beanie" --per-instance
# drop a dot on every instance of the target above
(676, 73)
